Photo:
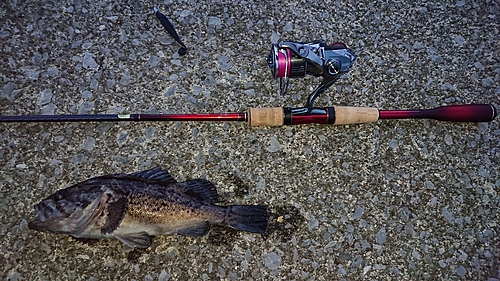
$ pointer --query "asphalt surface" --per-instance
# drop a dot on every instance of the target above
(391, 200)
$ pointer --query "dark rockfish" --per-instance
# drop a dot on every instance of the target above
(134, 207)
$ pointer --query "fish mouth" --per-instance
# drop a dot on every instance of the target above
(37, 225)
(44, 213)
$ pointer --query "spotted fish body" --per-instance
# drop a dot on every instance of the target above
(134, 207)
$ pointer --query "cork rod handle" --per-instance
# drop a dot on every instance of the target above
(355, 115)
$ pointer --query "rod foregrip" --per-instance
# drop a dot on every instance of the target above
(271, 116)
(355, 115)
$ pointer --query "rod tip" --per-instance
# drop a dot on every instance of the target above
(495, 112)
(182, 51)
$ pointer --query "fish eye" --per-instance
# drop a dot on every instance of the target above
(59, 195)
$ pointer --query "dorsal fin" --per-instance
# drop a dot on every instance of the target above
(156, 174)
(202, 189)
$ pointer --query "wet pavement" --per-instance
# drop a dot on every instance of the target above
(391, 200)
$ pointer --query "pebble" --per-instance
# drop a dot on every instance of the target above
(447, 214)
(153, 61)
(479, 65)
(225, 63)
(459, 40)
(358, 212)
(288, 27)
(150, 133)
(52, 71)
(393, 143)
(89, 62)
(447, 86)
(8, 89)
(313, 222)
(125, 80)
(261, 182)
(272, 260)
(214, 22)
(448, 139)
(487, 82)
(274, 37)
(86, 94)
(274, 145)
(45, 97)
(461, 271)
(89, 143)
(87, 107)
(381, 236)
(48, 109)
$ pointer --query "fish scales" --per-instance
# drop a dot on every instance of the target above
(134, 207)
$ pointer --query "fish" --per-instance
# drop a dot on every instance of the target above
(136, 207)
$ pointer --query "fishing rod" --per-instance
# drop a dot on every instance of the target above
(278, 116)
(289, 60)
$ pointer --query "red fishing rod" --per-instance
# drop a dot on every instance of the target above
(295, 59)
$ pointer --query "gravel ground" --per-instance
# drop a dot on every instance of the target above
(392, 200)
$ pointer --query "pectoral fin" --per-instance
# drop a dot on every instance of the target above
(116, 213)
(136, 240)
(200, 229)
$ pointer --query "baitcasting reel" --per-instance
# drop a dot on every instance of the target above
(295, 59)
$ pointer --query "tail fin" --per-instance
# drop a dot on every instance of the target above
(248, 218)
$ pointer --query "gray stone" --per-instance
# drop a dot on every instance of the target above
(89, 143)
(272, 260)
(45, 97)
(88, 61)
(487, 82)
(150, 133)
(358, 212)
(274, 145)
(225, 63)
(87, 107)
(381, 236)
(48, 109)
(125, 80)
(8, 89)
(52, 71)
(153, 61)
(214, 22)
(461, 271)
(86, 94)
(447, 214)
(459, 40)
(164, 276)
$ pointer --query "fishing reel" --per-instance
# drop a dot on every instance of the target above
(296, 59)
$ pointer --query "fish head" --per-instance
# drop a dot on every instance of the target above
(66, 211)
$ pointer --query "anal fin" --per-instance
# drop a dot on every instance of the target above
(197, 230)
(136, 240)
